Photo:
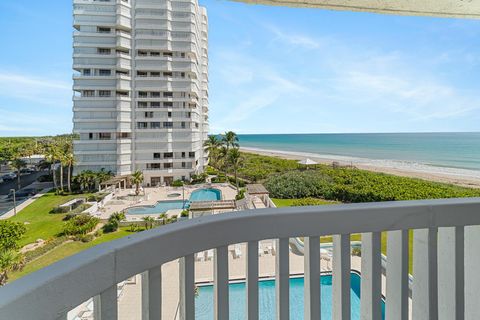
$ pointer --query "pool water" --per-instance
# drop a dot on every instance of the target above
(204, 300)
(206, 195)
(159, 207)
(164, 206)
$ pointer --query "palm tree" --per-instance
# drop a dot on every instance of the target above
(149, 221)
(222, 154)
(61, 156)
(10, 260)
(51, 155)
(234, 159)
(18, 164)
(230, 139)
(163, 217)
(137, 179)
(70, 162)
(211, 146)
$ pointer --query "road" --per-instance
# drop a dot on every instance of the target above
(24, 180)
(7, 204)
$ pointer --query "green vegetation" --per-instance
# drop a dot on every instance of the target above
(224, 155)
(284, 180)
(257, 168)
(80, 225)
(65, 250)
(137, 179)
(114, 222)
(301, 202)
(39, 222)
(177, 183)
(88, 181)
(10, 258)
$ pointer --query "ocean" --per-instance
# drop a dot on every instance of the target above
(453, 153)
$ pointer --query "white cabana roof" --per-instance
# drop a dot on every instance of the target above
(307, 162)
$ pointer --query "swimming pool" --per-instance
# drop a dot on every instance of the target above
(206, 195)
(204, 300)
(164, 206)
(159, 207)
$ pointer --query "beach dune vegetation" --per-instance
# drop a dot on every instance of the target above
(354, 185)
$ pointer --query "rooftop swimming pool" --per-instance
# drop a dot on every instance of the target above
(164, 206)
(204, 300)
(206, 195)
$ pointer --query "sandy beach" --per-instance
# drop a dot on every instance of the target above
(456, 176)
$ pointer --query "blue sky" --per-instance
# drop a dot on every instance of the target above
(272, 70)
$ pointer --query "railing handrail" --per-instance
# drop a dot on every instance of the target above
(56, 289)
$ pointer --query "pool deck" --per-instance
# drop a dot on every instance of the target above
(155, 194)
(129, 302)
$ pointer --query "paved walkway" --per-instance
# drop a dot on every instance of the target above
(24, 204)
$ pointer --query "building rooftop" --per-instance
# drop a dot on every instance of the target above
(256, 189)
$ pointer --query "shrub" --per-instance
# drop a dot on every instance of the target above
(219, 179)
(240, 195)
(177, 183)
(59, 209)
(80, 225)
(113, 222)
(241, 182)
(10, 234)
(200, 178)
(48, 246)
(211, 171)
(134, 228)
(185, 213)
(308, 202)
(300, 184)
(110, 227)
(97, 197)
(87, 238)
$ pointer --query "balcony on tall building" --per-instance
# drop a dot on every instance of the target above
(444, 233)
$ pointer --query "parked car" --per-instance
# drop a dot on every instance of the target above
(9, 176)
(27, 171)
(24, 193)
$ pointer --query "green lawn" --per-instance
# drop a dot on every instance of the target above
(66, 250)
(354, 237)
(41, 224)
(289, 202)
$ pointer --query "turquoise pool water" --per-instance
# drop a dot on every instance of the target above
(204, 300)
(164, 206)
(159, 207)
(206, 195)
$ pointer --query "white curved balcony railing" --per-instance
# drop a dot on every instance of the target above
(443, 276)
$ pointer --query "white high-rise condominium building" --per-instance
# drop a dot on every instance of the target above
(141, 87)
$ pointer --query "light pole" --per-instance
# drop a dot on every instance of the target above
(14, 202)
(183, 195)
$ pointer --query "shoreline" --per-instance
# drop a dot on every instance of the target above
(455, 176)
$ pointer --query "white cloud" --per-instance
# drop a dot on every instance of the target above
(293, 39)
(42, 90)
(343, 85)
